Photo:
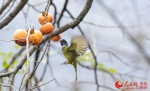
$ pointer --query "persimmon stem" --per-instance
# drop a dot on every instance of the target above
(48, 6)
(45, 13)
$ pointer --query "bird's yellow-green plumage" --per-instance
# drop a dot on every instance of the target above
(77, 48)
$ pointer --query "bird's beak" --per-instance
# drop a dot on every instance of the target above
(60, 40)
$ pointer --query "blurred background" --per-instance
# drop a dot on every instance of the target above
(118, 32)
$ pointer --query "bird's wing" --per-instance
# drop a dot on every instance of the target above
(79, 45)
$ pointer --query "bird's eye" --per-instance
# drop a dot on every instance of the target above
(64, 43)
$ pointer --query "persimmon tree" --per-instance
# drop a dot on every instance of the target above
(37, 43)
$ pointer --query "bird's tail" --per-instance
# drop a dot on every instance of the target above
(74, 63)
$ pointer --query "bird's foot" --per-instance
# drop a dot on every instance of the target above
(64, 63)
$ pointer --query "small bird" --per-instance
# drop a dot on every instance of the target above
(78, 47)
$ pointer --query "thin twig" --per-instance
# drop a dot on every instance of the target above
(48, 6)
(13, 39)
(103, 26)
(45, 68)
(62, 12)
(8, 86)
(55, 13)
(27, 51)
(40, 59)
(40, 3)
(41, 85)
(22, 81)
(120, 74)
(103, 86)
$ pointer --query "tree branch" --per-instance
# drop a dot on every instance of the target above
(8, 10)
(13, 59)
(22, 81)
(8, 86)
(57, 31)
(15, 11)
(5, 6)
(10, 82)
(62, 12)
(41, 85)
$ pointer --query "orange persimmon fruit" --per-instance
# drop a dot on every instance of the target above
(46, 28)
(56, 37)
(36, 37)
(45, 17)
(20, 37)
